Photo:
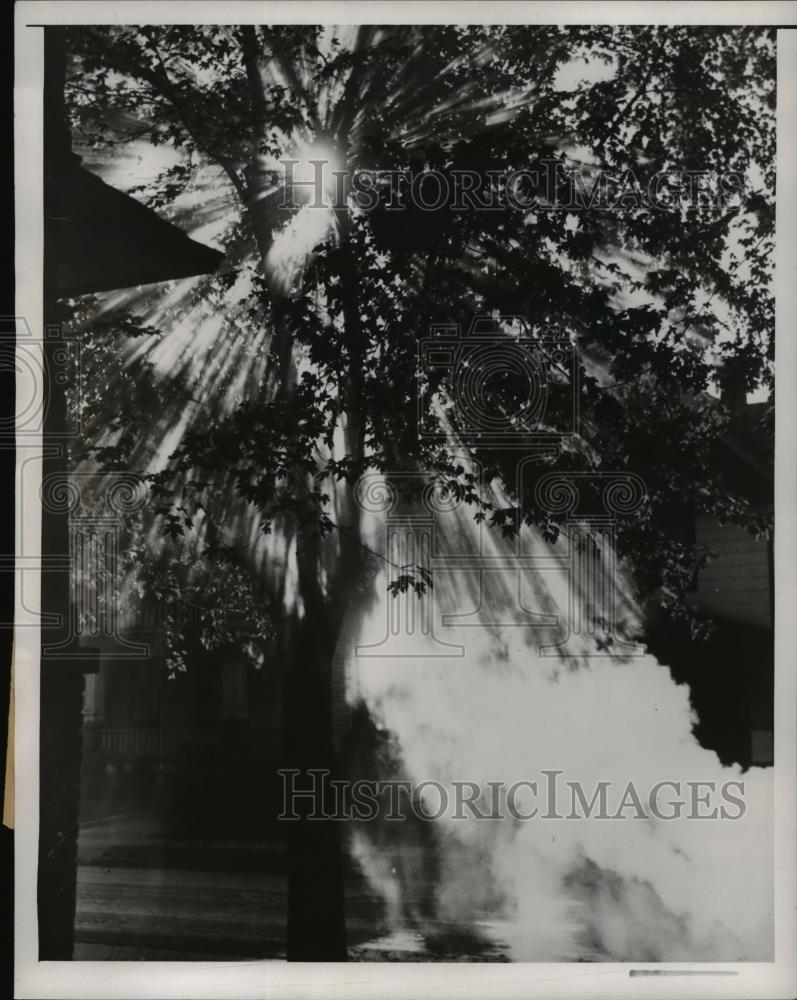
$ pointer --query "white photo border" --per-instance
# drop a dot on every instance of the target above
(104, 979)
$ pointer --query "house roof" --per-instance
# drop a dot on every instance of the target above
(98, 238)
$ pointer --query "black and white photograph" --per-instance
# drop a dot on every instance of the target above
(402, 574)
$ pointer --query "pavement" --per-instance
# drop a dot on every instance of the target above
(144, 896)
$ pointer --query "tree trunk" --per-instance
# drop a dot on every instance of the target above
(316, 904)
(316, 926)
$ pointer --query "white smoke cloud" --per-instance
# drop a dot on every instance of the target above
(554, 890)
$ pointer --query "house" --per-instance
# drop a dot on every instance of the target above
(731, 673)
(189, 747)
(95, 239)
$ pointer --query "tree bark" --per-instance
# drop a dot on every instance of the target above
(316, 921)
(316, 905)
(316, 926)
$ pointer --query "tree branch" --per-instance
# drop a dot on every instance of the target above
(254, 76)
(171, 94)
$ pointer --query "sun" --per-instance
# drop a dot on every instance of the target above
(314, 173)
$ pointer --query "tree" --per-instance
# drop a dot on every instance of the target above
(665, 297)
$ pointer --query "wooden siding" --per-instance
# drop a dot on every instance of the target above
(736, 584)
